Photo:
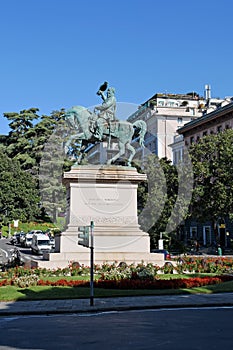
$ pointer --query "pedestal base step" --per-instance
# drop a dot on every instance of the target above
(62, 260)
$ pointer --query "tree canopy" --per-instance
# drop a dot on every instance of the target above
(158, 198)
(200, 187)
(212, 159)
(28, 141)
(19, 197)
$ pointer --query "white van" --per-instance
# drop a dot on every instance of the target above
(40, 243)
(28, 240)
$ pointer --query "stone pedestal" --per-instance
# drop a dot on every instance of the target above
(106, 195)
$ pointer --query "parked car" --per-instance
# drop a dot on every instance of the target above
(28, 240)
(22, 239)
(52, 242)
(13, 240)
(18, 236)
(167, 255)
(36, 232)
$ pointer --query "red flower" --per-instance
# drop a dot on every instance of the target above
(4, 283)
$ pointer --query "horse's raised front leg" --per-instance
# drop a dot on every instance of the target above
(68, 143)
(72, 138)
(121, 146)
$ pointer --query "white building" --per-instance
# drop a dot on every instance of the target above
(166, 113)
(211, 122)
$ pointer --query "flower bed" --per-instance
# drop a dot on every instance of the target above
(123, 276)
(204, 265)
(123, 283)
(163, 284)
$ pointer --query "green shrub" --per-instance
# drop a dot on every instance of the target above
(167, 268)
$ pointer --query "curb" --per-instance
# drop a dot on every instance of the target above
(93, 309)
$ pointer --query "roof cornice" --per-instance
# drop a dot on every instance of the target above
(206, 118)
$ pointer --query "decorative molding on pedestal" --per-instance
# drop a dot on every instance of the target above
(103, 220)
(106, 173)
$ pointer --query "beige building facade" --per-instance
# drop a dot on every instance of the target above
(210, 123)
(166, 113)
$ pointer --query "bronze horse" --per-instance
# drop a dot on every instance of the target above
(79, 118)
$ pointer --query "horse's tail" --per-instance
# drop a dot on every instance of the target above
(141, 125)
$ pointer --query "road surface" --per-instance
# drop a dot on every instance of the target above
(181, 329)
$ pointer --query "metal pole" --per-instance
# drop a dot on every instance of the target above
(92, 267)
(9, 230)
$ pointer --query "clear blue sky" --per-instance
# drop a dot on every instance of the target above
(56, 53)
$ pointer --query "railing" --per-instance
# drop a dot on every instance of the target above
(178, 138)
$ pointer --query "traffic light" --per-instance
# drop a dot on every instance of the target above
(84, 241)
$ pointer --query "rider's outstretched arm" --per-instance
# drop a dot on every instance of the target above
(102, 95)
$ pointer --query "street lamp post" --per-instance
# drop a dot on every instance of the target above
(92, 265)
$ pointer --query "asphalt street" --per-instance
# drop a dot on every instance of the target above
(167, 329)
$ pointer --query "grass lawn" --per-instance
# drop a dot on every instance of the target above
(9, 293)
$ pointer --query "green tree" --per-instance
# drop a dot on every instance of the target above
(19, 198)
(212, 159)
(20, 141)
(50, 177)
(42, 132)
(162, 193)
(164, 200)
(28, 142)
(52, 164)
(27, 137)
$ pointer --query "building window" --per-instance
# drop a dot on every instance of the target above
(154, 146)
(204, 133)
(193, 232)
(161, 103)
(177, 156)
(192, 139)
(180, 120)
(206, 235)
(219, 128)
(180, 155)
(192, 110)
